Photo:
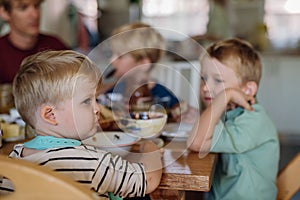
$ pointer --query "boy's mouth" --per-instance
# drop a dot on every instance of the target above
(208, 99)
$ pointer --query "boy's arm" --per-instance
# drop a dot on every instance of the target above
(201, 135)
(151, 159)
(150, 156)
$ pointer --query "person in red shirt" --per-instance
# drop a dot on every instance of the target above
(24, 38)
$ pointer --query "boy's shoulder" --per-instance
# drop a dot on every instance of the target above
(257, 119)
(82, 150)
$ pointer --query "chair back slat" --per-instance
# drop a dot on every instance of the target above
(32, 181)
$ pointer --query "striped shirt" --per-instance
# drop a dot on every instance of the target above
(97, 169)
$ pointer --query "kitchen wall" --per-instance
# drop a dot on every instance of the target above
(279, 91)
(113, 14)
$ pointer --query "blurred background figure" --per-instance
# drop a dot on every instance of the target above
(136, 50)
(87, 23)
(76, 22)
(24, 37)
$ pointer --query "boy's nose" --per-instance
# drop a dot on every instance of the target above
(97, 109)
(205, 86)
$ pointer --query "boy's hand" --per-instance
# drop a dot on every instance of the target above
(236, 97)
(147, 146)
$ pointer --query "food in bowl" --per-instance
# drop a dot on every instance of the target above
(143, 124)
(116, 142)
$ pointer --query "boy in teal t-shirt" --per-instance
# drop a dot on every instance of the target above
(234, 125)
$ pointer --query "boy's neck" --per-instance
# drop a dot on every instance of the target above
(27, 152)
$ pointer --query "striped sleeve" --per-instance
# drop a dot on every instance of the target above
(6, 186)
(124, 179)
(96, 169)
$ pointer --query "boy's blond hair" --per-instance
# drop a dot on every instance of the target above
(50, 77)
(140, 40)
(240, 56)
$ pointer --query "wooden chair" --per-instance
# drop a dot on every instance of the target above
(32, 181)
(288, 180)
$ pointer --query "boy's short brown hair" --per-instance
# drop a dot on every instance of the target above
(240, 56)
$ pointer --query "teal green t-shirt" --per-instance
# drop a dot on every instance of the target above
(249, 155)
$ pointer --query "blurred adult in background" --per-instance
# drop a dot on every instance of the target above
(24, 37)
(76, 21)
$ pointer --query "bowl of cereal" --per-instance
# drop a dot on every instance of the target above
(143, 124)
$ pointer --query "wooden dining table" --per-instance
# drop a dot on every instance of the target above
(183, 170)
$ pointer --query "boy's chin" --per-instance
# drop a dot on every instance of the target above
(94, 131)
(205, 104)
(90, 134)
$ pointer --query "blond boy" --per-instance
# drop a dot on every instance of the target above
(55, 92)
(234, 125)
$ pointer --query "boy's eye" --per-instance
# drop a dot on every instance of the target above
(22, 6)
(219, 80)
(87, 101)
(203, 78)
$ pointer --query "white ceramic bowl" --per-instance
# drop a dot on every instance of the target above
(144, 124)
(117, 143)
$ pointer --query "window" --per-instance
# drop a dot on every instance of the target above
(282, 20)
(186, 17)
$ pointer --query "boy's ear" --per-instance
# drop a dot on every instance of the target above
(4, 14)
(48, 114)
(250, 88)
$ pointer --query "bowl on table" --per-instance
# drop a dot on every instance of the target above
(143, 124)
(116, 142)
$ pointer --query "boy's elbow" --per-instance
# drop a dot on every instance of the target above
(203, 147)
(191, 145)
